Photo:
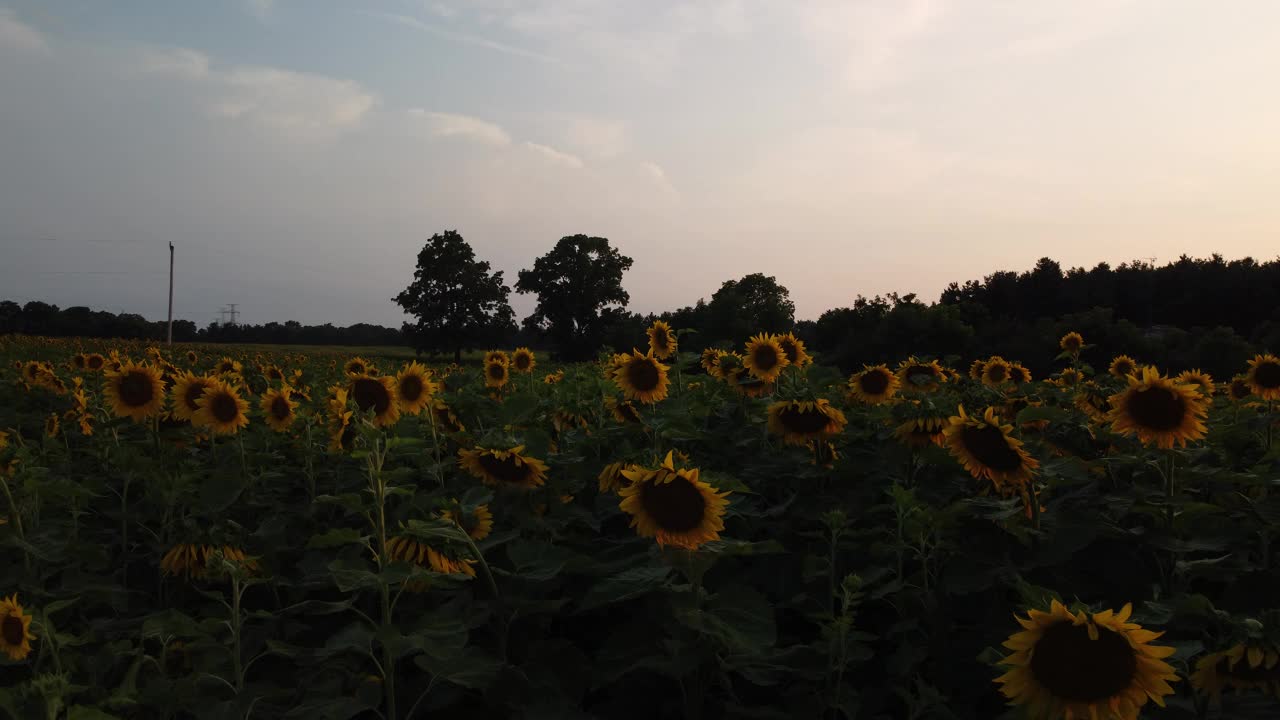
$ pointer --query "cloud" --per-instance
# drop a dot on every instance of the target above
(659, 176)
(19, 36)
(299, 106)
(260, 9)
(467, 38)
(463, 126)
(870, 42)
(597, 136)
(556, 156)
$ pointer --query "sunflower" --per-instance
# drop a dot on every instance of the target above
(497, 356)
(744, 383)
(414, 388)
(477, 524)
(278, 408)
(1264, 377)
(794, 349)
(610, 478)
(273, 373)
(1071, 342)
(874, 385)
(191, 561)
(987, 450)
(1069, 378)
(94, 361)
(523, 361)
(1093, 402)
(227, 365)
(1158, 410)
(15, 629)
(673, 506)
(444, 418)
(1085, 665)
(78, 361)
(975, 369)
(357, 366)
(800, 421)
(221, 409)
(1240, 668)
(919, 375)
(342, 434)
(553, 378)
(764, 358)
(624, 411)
(377, 394)
(662, 341)
(51, 426)
(641, 377)
(135, 391)
(192, 357)
(710, 361)
(495, 374)
(921, 431)
(1122, 366)
(186, 391)
(406, 549)
(1239, 388)
(1197, 377)
(995, 371)
(1019, 374)
(504, 467)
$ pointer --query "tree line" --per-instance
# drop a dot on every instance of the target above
(1205, 313)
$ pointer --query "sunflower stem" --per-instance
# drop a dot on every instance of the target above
(16, 520)
(493, 590)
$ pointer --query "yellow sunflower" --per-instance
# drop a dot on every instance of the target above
(478, 523)
(495, 374)
(78, 361)
(801, 421)
(794, 349)
(497, 356)
(377, 394)
(278, 409)
(1069, 378)
(1239, 389)
(1158, 410)
(624, 411)
(1264, 377)
(1085, 665)
(357, 366)
(919, 375)
(192, 357)
(15, 629)
(51, 426)
(976, 368)
(710, 361)
(641, 377)
(1093, 402)
(673, 506)
(414, 388)
(444, 418)
(921, 431)
(553, 378)
(1240, 668)
(186, 391)
(221, 410)
(995, 371)
(744, 383)
(987, 450)
(406, 549)
(662, 341)
(523, 361)
(135, 391)
(1071, 342)
(1199, 378)
(504, 467)
(1122, 366)
(191, 560)
(94, 361)
(874, 385)
(610, 478)
(227, 365)
(764, 358)
(1019, 374)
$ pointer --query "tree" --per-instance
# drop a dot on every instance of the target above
(456, 302)
(754, 304)
(576, 283)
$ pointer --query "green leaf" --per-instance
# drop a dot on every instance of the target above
(741, 619)
(538, 561)
(336, 537)
(624, 586)
(471, 668)
(82, 712)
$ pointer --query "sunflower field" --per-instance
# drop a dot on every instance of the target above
(228, 532)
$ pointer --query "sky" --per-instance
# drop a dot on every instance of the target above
(298, 153)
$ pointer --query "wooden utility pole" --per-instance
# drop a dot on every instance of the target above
(170, 340)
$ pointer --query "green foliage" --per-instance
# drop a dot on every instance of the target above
(578, 284)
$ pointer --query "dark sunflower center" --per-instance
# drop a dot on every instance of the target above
(505, 469)
(873, 382)
(136, 389)
(1267, 374)
(280, 408)
(920, 374)
(1124, 367)
(370, 393)
(522, 362)
(765, 358)
(660, 338)
(445, 418)
(676, 506)
(1077, 669)
(496, 371)
(95, 362)
(642, 374)
(275, 374)
(226, 367)
(194, 392)
(990, 447)
(14, 633)
(355, 368)
(33, 371)
(997, 372)
(411, 387)
(224, 408)
(1156, 408)
(1017, 374)
(790, 350)
(78, 361)
(1239, 389)
(803, 422)
(1071, 343)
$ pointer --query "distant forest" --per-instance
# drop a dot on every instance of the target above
(1207, 313)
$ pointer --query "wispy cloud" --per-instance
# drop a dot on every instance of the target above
(870, 42)
(464, 126)
(556, 156)
(659, 176)
(260, 9)
(19, 36)
(415, 23)
(597, 136)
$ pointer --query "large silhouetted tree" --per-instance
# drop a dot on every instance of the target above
(457, 304)
(756, 303)
(576, 284)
